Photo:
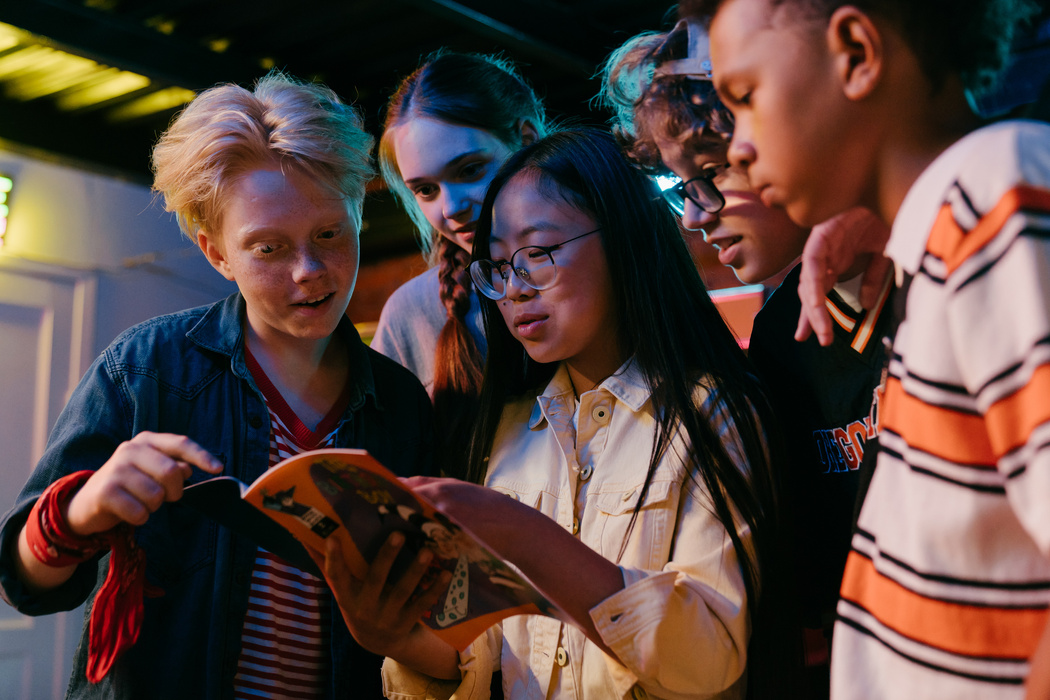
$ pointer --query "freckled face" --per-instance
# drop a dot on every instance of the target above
(755, 240)
(795, 132)
(448, 167)
(291, 245)
(574, 320)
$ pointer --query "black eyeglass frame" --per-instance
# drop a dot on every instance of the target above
(483, 282)
(676, 195)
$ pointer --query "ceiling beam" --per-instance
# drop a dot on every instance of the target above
(521, 42)
(114, 41)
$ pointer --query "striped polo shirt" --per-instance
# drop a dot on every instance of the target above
(947, 584)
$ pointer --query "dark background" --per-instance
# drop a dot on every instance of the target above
(359, 48)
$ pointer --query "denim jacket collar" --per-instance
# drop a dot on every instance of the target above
(221, 330)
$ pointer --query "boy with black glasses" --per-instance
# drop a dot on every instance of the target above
(822, 396)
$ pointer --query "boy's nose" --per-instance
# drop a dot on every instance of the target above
(741, 152)
(308, 266)
(694, 218)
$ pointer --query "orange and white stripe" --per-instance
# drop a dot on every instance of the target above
(947, 587)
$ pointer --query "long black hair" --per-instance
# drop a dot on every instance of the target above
(678, 341)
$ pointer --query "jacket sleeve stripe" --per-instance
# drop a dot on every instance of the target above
(949, 242)
(1012, 420)
(945, 433)
(970, 630)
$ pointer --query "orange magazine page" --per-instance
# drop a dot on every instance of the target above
(347, 494)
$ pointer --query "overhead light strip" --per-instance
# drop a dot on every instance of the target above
(31, 70)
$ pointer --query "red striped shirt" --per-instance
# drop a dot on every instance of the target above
(285, 642)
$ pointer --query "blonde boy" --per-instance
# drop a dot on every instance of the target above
(269, 183)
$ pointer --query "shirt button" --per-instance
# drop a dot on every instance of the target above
(600, 414)
(628, 496)
(575, 525)
(255, 422)
(562, 657)
(586, 473)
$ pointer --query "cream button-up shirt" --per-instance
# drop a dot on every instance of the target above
(680, 625)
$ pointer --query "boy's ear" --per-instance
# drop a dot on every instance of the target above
(529, 134)
(213, 252)
(857, 48)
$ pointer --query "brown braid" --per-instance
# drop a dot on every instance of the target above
(458, 363)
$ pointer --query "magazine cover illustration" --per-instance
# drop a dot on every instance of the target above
(347, 494)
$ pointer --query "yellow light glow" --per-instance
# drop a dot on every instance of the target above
(161, 24)
(56, 71)
(30, 69)
(150, 104)
(219, 45)
(30, 58)
(9, 37)
(113, 83)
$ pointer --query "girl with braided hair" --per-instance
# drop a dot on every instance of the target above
(449, 126)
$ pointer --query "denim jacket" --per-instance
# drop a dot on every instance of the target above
(185, 373)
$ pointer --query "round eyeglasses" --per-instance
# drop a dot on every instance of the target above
(700, 190)
(533, 265)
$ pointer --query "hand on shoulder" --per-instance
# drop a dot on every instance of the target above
(841, 247)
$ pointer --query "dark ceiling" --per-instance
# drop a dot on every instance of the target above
(100, 110)
(360, 48)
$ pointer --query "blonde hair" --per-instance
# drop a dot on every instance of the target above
(227, 130)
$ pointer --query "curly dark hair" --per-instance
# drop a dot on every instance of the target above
(968, 38)
(647, 106)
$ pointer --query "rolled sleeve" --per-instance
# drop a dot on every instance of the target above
(89, 429)
(682, 631)
(675, 636)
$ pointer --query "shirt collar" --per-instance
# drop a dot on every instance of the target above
(854, 325)
(921, 205)
(221, 330)
(626, 384)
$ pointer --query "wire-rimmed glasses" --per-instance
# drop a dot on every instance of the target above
(533, 265)
(700, 190)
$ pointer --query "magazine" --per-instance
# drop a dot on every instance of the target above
(347, 494)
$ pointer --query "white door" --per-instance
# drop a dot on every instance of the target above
(46, 323)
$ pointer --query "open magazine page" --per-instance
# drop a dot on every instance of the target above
(349, 495)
